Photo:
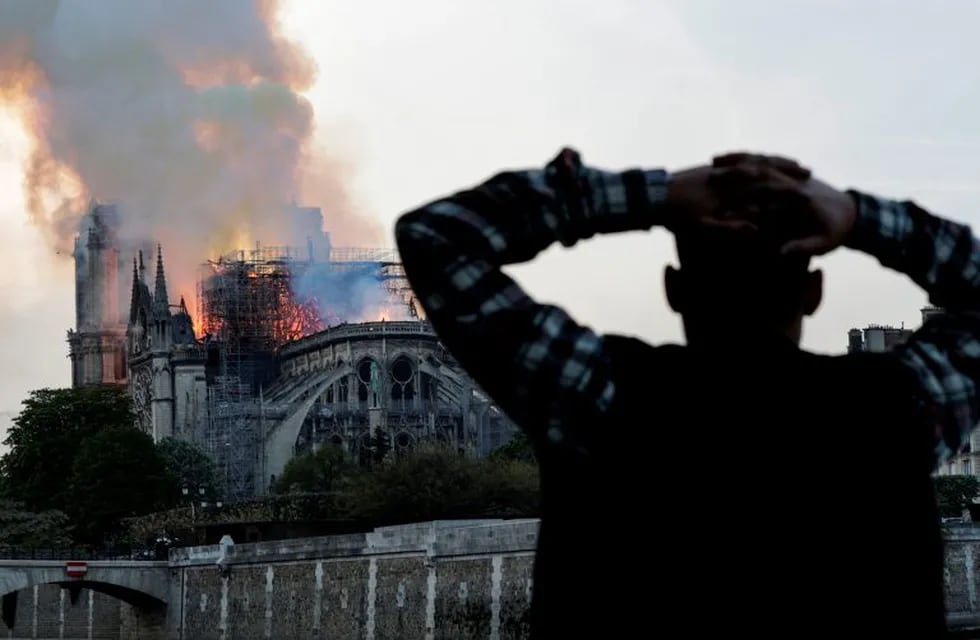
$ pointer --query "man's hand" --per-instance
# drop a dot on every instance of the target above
(695, 200)
(776, 192)
(791, 168)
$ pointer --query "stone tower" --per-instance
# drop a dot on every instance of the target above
(167, 377)
(97, 345)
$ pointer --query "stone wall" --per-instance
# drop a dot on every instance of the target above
(468, 579)
(46, 611)
(961, 574)
(435, 580)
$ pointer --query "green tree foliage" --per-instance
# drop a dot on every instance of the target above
(375, 449)
(429, 483)
(519, 448)
(45, 438)
(116, 473)
(438, 483)
(20, 528)
(189, 467)
(319, 472)
(955, 493)
(76, 451)
(506, 489)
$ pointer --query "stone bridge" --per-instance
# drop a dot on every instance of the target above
(144, 585)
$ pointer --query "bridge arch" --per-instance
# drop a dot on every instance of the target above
(142, 584)
(138, 599)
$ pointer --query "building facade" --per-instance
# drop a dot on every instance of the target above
(876, 338)
(166, 362)
(392, 378)
(269, 377)
(879, 338)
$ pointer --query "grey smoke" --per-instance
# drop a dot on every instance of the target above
(348, 295)
(187, 114)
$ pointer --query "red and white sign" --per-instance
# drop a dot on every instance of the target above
(74, 569)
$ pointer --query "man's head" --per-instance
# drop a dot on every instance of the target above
(737, 281)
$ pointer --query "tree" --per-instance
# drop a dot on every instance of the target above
(190, 468)
(955, 493)
(116, 473)
(374, 449)
(507, 489)
(519, 448)
(319, 472)
(46, 436)
(437, 482)
(20, 528)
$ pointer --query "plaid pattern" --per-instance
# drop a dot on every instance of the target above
(546, 371)
(552, 375)
(944, 259)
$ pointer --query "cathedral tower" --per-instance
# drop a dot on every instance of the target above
(166, 362)
(97, 345)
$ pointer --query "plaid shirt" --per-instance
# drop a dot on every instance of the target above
(944, 259)
(553, 376)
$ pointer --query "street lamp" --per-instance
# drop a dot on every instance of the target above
(184, 490)
(200, 492)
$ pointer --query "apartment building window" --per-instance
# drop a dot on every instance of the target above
(967, 470)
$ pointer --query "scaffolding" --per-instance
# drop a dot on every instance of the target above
(247, 303)
(248, 311)
(344, 255)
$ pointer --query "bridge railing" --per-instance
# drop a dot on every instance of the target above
(83, 553)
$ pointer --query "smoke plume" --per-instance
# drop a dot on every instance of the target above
(187, 114)
(348, 295)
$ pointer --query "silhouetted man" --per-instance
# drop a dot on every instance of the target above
(738, 484)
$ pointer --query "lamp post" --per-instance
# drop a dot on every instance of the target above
(200, 492)
(227, 469)
(184, 490)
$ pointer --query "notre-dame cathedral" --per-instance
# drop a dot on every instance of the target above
(267, 375)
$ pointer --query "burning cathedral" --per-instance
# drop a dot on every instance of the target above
(291, 347)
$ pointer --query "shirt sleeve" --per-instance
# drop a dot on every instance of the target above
(550, 374)
(943, 257)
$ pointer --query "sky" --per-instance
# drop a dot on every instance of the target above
(423, 98)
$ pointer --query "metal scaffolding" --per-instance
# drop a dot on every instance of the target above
(248, 311)
(362, 254)
(247, 303)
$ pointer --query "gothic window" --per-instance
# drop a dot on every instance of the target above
(369, 382)
(141, 333)
(403, 443)
(429, 386)
(402, 380)
(342, 391)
